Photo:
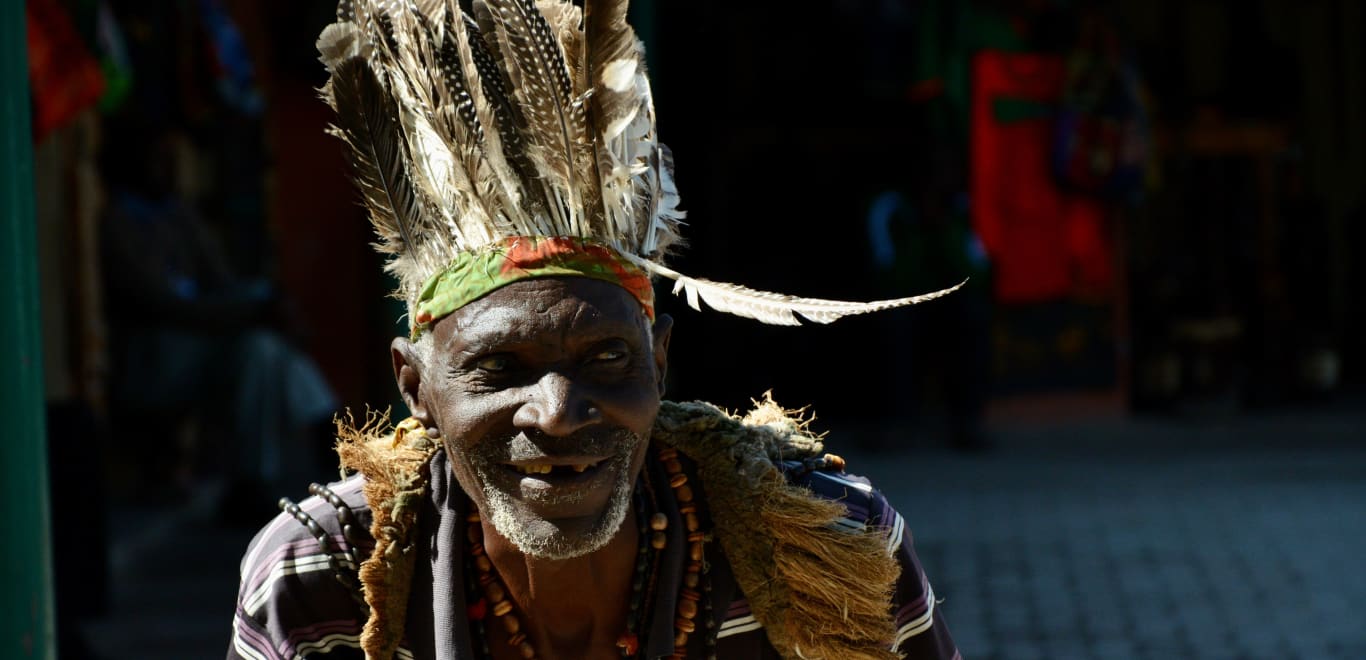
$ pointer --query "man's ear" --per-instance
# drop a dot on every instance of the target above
(663, 331)
(408, 376)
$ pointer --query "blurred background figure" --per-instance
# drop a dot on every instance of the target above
(197, 348)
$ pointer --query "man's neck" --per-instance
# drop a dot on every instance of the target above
(570, 608)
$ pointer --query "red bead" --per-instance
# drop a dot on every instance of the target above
(629, 644)
(478, 610)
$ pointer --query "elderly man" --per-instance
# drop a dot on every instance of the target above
(541, 500)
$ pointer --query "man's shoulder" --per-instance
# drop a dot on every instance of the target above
(298, 592)
(331, 508)
(865, 508)
(307, 545)
(772, 437)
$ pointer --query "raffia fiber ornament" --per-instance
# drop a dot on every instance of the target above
(394, 463)
(819, 592)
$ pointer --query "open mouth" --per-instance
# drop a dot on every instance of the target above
(562, 470)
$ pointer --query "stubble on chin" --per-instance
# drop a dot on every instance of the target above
(545, 539)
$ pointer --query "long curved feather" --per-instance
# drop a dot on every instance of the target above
(775, 308)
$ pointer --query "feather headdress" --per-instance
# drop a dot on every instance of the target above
(523, 118)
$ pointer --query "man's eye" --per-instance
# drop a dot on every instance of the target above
(609, 356)
(495, 363)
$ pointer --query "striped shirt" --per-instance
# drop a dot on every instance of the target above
(291, 605)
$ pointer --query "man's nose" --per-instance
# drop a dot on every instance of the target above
(557, 406)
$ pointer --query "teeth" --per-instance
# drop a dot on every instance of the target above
(546, 468)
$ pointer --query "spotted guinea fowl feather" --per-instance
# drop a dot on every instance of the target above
(368, 123)
(541, 84)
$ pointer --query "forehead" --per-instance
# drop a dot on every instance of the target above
(546, 310)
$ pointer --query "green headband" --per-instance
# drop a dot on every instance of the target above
(475, 274)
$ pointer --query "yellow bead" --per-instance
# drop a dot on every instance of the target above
(687, 609)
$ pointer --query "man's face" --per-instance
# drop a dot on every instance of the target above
(544, 392)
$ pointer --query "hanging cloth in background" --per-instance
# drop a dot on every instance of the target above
(1046, 243)
(65, 77)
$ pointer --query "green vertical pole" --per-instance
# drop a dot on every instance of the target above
(26, 618)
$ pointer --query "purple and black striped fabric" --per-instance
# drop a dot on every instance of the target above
(291, 605)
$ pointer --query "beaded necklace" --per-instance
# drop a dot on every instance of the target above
(489, 595)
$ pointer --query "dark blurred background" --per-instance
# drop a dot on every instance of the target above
(1155, 204)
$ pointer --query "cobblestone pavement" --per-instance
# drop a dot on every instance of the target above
(1177, 541)
(1116, 540)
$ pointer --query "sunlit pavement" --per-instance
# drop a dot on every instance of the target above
(1236, 539)
(1150, 538)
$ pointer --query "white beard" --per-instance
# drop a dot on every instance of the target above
(538, 537)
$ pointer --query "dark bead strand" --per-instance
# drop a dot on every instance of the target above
(351, 530)
(629, 643)
(708, 616)
(339, 572)
(473, 595)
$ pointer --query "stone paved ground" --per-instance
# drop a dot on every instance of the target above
(1232, 540)
(1235, 540)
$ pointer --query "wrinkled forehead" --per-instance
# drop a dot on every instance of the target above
(563, 310)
